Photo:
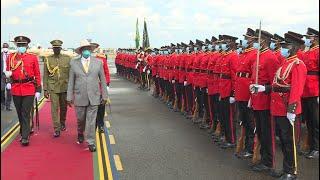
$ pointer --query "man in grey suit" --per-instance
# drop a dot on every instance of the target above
(84, 91)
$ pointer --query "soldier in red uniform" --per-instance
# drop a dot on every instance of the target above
(101, 107)
(228, 64)
(23, 69)
(155, 72)
(213, 94)
(242, 93)
(287, 88)
(260, 101)
(188, 83)
(275, 47)
(147, 68)
(310, 97)
(182, 76)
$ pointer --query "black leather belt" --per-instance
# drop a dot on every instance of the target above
(203, 71)
(281, 89)
(224, 76)
(197, 70)
(23, 80)
(313, 73)
(243, 74)
(182, 69)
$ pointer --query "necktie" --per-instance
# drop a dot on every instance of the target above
(86, 66)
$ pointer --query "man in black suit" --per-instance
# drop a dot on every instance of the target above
(5, 87)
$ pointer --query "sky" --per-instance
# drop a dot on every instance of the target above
(111, 23)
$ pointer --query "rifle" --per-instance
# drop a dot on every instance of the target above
(196, 110)
(256, 150)
(240, 144)
(306, 145)
(182, 104)
(294, 150)
(175, 106)
(258, 59)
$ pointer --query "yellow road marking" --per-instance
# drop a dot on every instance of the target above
(9, 131)
(105, 148)
(118, 162)
(5, 142)
(108, 125)
(101, 174)
(112, 140)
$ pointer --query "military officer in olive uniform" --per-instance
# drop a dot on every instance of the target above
(55, 85)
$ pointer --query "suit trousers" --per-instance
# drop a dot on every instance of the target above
(310, 114)
(58, 109)
(266, 133)
(213, 101)
(86, 119)
(23, 106)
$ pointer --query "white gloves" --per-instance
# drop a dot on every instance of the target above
(8, 73)
(260, 88)
(291, 117)
(157, 75)
(144, 69)
(37, 96)
(137, 65)
(148, 71)
(185, 83)
(318, 100)
(232, 100)
(8, 86)
(108, 88)
(173, 81)
(249, 103)
(207, 90)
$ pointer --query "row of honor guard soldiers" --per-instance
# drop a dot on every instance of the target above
(270, 88)
(23, 72)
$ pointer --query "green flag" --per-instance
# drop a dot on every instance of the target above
(145, 40)
(137, 38)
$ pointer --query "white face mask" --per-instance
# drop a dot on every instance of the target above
(5, 50)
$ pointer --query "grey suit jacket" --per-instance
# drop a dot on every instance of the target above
(84, 88)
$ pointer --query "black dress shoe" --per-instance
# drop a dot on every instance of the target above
(8, 109)
(260, 168)
(80, 138)
(313, 155)
(276, 174)
(101, 129)
(63, 127)
(204, 126)
(227, 145)
(24, 142)
(92, 147)
(288, 177)
(56, 134)
(245, 155)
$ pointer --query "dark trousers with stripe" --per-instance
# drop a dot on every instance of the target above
(189, 95)
(310, 109)
(213, 101)
(227, 119)
(246, 116)
(100, 115)
(24, 106)
(265, 129)
(286, 137)
(179, 92)
(205, 99)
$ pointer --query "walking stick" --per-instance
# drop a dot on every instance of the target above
(294, 151)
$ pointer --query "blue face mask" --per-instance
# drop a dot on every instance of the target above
(22, 50)
(86, 54)
(272, 45)
(217, 48)
(195, 49)
(224, 47)
(285, 52)
(244, 43)
(239, 50)
(307, 42)
(256, 45)
(210, 47)
(203, 48)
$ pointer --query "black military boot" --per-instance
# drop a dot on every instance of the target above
(288, 177)
(80, 138)
(92, 147)
(313, 154)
